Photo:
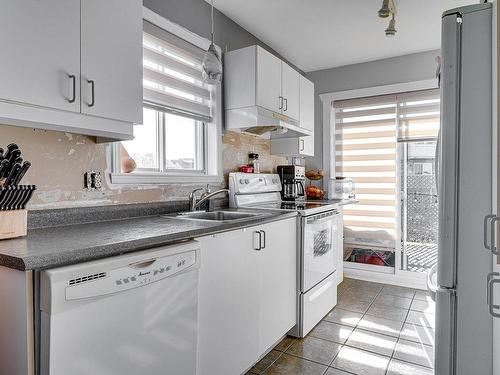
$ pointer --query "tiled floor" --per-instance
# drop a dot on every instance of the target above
(374, 329)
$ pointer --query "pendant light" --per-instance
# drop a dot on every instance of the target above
(391, 29)
(385, 11)
(212, 64)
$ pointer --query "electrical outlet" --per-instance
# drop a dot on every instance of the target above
(92, 180)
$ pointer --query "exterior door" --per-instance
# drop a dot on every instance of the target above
(268, 81)
(40, 42)
(112, 59)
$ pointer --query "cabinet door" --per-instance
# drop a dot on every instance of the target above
(278, 281)
(268, 81)
(290, 88)
(228, 323)
(306, 145)
(339, 243)
(40, 44)
(306, 104)
(112, 59)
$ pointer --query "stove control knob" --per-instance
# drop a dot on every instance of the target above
(242, 181)
(247, 181)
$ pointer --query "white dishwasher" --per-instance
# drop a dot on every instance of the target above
(124, 315)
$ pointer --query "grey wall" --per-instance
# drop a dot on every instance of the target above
(194, 15)
(408, 68)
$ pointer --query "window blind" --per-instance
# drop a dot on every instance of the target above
(418, 115)
(365, 150)
(172, 75)
(367, 131)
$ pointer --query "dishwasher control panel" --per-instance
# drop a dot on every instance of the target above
(133, 275)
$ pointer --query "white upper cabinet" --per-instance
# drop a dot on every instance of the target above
(290, 83)
(269, 81)
(255, 77)
(302, 146)
(72, 65)
(40, 44)
(112, 59)
(306, 103)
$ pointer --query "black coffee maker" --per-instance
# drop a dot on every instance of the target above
(292, 182)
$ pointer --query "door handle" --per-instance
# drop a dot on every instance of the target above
(302, 145)
(286, 104)
(485, 230)
(92, 92)
(491, 281)
(493, 246)
(263, 236)
(73, 91)
(259, 241)
(281, 102)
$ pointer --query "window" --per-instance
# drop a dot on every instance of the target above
(371, 135)
(178, 140)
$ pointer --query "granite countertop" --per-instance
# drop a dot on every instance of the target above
(62, 245)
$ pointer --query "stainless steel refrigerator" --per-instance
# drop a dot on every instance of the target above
(463, 322)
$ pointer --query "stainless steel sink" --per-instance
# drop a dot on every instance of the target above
(218, 215)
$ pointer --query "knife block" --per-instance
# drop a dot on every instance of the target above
(13, 224)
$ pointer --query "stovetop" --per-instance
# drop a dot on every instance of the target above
(303, 207)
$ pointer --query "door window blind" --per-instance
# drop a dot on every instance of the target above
(418, 115)
(172, 75)
(366, 134)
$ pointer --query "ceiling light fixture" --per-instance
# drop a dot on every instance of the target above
(391, 29)
(389, 9)
(212, 64)
(385, 11)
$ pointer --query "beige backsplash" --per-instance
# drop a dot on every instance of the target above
(60, 159)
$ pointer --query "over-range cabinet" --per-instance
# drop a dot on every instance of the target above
(465, 302)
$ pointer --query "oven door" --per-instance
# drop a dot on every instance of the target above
(318, 247)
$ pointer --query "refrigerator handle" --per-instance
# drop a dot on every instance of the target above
(493, 246)
(485, 229)
(491, 281)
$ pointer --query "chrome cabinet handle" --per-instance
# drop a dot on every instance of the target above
(286, 104)
(491, 281)
(92, 90)
(302, 145)
(485, 230)
(493, 245)
(257, 232)
(73, 91)
(263, 233)
(281, 103)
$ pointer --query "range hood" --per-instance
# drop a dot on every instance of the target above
(263, 122)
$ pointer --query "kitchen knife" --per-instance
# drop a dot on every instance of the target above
(32, 188)
(15, 196)
(22, 189)
(4, 165)
(12, 174)
(10, 148)
(24, 198)
(12, 160)
(6, 198)
(21, 173)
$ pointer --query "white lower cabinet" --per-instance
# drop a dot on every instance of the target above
(247, 295)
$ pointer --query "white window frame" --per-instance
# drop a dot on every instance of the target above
(213, 132)
(398, 277)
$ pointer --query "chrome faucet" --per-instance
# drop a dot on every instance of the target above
(194, 204)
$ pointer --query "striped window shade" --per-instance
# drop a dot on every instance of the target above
(367, 131)
(365, 150)
(172, 75)
(418, 115)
